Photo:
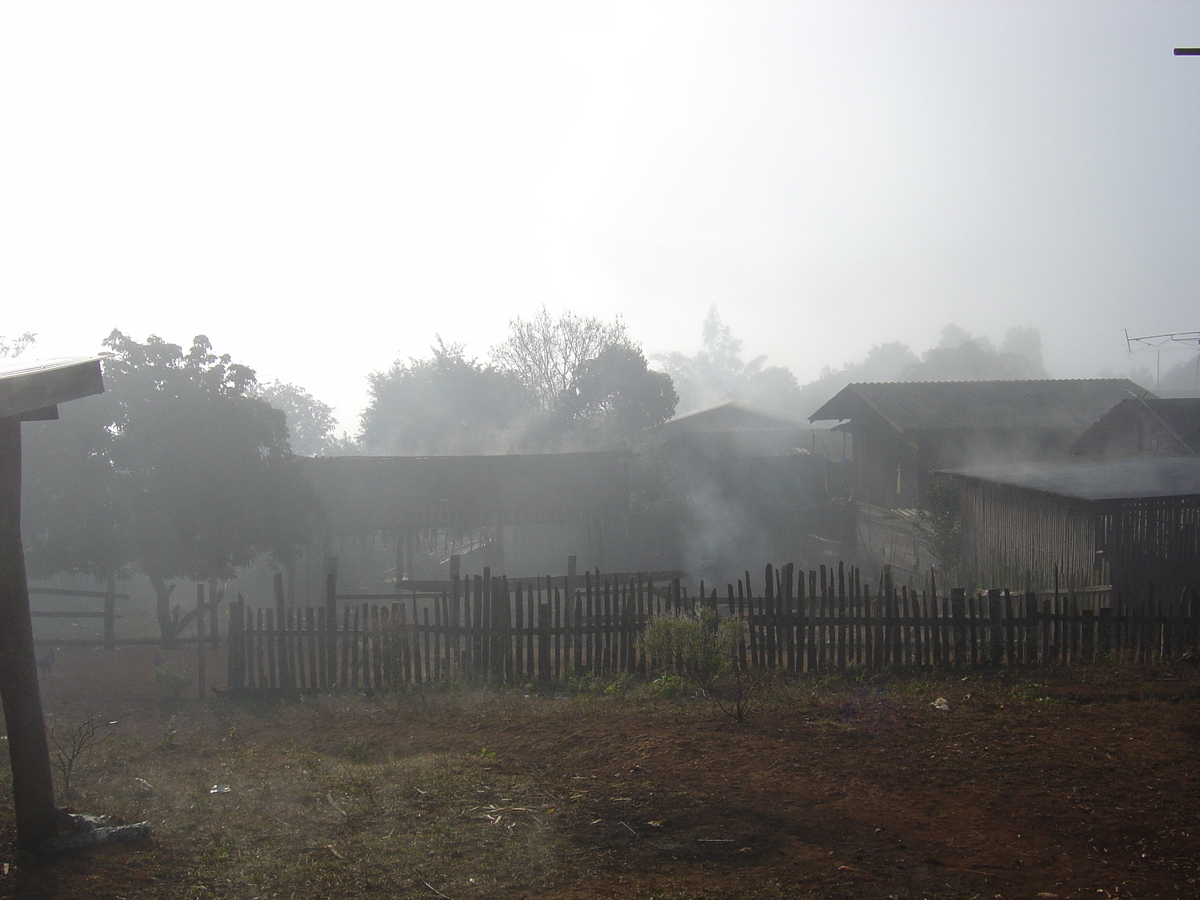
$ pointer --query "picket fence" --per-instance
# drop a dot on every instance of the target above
(491, 629)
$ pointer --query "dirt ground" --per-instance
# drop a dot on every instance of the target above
(1067, 783)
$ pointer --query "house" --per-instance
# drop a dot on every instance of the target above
(904, 431)
(1143, 426)
(1128, 523)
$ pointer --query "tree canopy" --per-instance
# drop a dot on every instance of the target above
(311, 425)
(444, 405)
(177, 471)
(546, 355)
(718, 372)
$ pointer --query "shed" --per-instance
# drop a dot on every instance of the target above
(28, 391)
(904, 431)
(1126, 522)
(1143, 426)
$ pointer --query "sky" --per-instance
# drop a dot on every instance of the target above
(322, 189)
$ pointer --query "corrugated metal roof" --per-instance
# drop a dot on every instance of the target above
(1180, 416)
(730, 415)
(27, 386)
(1137, 478)
(932, 405)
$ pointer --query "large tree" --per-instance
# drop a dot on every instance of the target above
(444, 405)
(177, 471)
(312, 427)
(546, 354)
(615, 396)
(718, 372)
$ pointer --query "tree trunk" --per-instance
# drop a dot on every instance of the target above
(162, 592)
(28, 750)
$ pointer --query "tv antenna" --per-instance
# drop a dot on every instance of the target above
(1176, 340)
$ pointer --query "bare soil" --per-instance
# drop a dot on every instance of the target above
(1065, 783)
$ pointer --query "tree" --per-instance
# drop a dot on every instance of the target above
(615, 395)
(16, 346)
(447, 404)
(546, 355)
(718, 372)
(177, 471)
(312, 427)
(959, 356)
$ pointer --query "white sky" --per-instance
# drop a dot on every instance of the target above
(322, 188)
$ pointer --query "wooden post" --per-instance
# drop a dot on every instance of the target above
(200, 666)
(995, 636)
(543, 642)
(235, 664)
(958, 617)
(329, 635)
(28, 749)
(110, 611)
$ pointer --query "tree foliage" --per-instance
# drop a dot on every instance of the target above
(547, 355)
(718, 372)
(15, 346)
(177, 471)
(447, 404)
(311, 424)
(616, 395)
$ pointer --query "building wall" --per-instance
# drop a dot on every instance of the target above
(1015, 538)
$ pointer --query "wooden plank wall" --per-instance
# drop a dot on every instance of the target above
(488, 630)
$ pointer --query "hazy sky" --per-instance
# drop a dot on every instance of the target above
(322, 188)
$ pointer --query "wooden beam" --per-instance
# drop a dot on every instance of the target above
(28, 750)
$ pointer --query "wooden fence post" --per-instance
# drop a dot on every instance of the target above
(543, 642)
(236, 663)
(110, 611)
(328, 639)
(958, 618)
(995, 635)
(200, 673)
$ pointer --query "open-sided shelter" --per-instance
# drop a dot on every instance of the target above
(28, 391)
(516, 513)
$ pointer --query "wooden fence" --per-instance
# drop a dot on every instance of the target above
(108, 613)
(487, 629)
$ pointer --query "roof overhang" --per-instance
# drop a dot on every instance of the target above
(31, 390)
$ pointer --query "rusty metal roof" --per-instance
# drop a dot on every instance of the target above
(1069, 404)
(33, 388)
(1137, 478)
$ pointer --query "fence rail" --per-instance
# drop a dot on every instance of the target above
(549, 629)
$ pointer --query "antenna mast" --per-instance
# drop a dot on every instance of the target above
(1176, 340)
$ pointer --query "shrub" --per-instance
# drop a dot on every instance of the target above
(171, 680)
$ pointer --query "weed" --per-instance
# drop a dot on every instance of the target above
(70, 746)
(357, 752)
(170, 738)
(171, 680)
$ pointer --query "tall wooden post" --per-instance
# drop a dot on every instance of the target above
(28, 750)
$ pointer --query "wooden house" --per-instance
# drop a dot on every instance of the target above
(1127, 523)
(904, 431)
(1143, 426)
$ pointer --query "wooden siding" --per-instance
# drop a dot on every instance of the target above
(1014, 536)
